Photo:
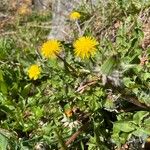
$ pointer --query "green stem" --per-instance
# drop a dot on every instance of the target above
(74, 72)
(60, 140)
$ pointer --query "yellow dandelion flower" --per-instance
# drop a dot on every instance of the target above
(51, 48)
(34, 72)
(75, 15)
(85, 47)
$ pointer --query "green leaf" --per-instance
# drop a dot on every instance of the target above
(6, 109)
(147, 122)
(137, 4)
(1, 76)
(123, 126)
(123, 137)
(3, 142)
(128, 83)
(146, 76)
(38, 112)
(24, 148)
(109, 65)
(3, 87)
(26, 90)
(109, 104)
(141, 132)
(138, 117)
(67, 107)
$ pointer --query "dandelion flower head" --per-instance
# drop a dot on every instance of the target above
(51, 48)
(34, 71)
(75, 15)
(85, 47)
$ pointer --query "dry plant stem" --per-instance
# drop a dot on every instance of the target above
(76, 134)
(7, 33)
(131, 109)
(40, 59)
(81, 89)
(87, 24)
(3, 62)
(74, 72)
(134, 101)
(79, 29)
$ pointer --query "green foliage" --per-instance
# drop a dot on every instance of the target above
(110, 93)
(3, 142)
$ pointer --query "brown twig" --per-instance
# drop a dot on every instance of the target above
(76, 134)
(82, 88)
(135, 101)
